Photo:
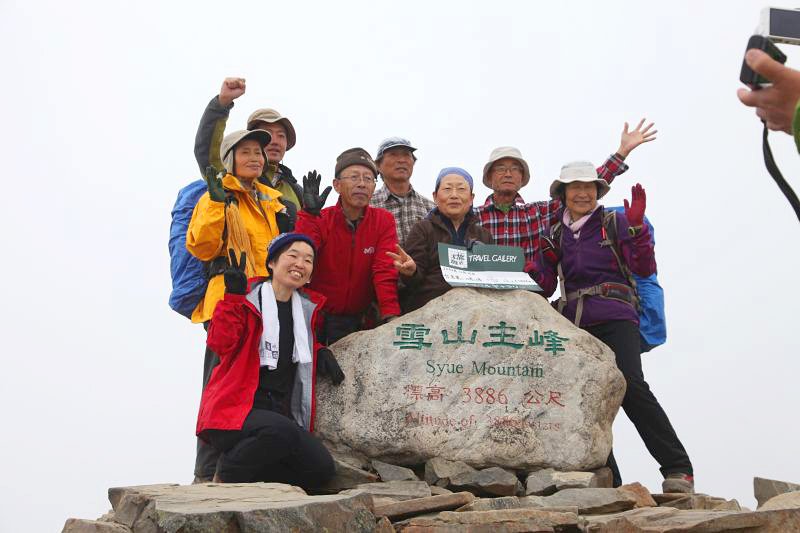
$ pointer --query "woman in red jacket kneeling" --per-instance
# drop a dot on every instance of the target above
(258, 406)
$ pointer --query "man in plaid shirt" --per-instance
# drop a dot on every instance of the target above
(511, 221)
(395, 159)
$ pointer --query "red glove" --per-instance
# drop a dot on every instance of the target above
(635, 211)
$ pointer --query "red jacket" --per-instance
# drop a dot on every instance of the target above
(234, 336)
(352, 267)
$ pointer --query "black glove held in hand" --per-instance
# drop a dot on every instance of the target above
(287, 219)
(327, 366)
(313, 202)
(235, 278)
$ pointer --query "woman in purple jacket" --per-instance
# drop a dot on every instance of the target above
(597, 296)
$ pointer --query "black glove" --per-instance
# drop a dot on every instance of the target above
(313, 202)
(235, 278)
(327, 366)
(213, 180)
(288, 218)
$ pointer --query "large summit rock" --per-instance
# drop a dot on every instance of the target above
(491, 378)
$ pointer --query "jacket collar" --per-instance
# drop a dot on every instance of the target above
(232, 183)
(490, 200)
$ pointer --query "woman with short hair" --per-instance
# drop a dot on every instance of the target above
(591, 253)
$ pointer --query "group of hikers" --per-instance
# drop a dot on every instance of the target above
(284, 277)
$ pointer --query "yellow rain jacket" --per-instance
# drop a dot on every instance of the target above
(204, 237)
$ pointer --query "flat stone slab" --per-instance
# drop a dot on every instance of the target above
(347, 476)
(491, 378)
(438, 471)
(398, 490)
(506, 521)
(238, 507)
(787, 500)
(419, 506)
(389, 472)
(590, 501)
(765, 489)
(669, 520)
(493, 481)
(639, 493)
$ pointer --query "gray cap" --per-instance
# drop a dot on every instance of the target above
(501, 153)
(578, 171)
(271, 116)
(231, 140)
(393, 142)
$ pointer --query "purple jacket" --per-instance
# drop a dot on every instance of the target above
(586, 264)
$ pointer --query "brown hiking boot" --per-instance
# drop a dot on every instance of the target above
(678, 482)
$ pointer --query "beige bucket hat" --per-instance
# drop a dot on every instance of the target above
(271, 116)
(578, 171)
(231, 140)
(498, 154)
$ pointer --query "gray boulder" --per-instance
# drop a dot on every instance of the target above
(491, 378)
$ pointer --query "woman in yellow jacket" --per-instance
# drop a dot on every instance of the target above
(242, 154)
(237, 212)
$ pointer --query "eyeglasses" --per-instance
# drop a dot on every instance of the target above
(358, 179)
(514, 169)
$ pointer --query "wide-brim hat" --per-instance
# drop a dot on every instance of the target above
(578, 171)
(501, 153)
(271, 116)
(231, 140)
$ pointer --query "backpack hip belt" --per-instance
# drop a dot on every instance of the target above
(610, 290)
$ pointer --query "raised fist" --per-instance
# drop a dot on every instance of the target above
(232, 88)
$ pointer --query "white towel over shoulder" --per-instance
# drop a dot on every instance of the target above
(269, 348)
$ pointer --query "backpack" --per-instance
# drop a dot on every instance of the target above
(648, 294)
(189, 274)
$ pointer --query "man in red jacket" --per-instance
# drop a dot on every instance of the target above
(352, 238)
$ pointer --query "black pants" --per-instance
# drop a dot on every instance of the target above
(336, 327)
(271, 447)
(639, 403)
(205, 461)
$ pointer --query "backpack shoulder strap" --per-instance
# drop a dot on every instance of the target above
(612, 241)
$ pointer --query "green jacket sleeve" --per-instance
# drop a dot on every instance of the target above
(796, 125)
(209, 134)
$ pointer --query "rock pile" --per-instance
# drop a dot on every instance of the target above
(450, 504)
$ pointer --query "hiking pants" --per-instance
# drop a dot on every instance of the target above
(205, 462)
(639, 403)
(271, 447)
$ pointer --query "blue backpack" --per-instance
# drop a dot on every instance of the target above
(189, 276)
(652, 320)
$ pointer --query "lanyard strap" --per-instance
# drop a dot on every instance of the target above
(778, 177)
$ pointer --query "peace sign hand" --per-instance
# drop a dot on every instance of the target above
(403, 262)
(235, 278)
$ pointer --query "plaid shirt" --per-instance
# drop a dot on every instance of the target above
(407, 210)
(524, 224)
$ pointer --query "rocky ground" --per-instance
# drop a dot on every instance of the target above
(440, 496)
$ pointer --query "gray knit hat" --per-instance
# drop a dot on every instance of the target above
(503, 152)
(578, 171)
(231, 140)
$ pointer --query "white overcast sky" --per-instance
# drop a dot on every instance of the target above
(101, 380)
